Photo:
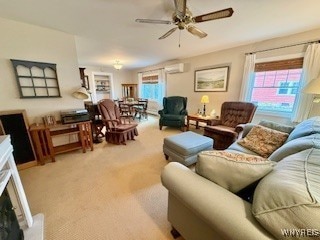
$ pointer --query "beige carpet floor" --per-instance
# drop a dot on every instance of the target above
(112, 193)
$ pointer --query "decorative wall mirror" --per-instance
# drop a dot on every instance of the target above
(36, 79)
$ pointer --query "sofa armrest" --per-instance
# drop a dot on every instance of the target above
(219, 208)
(246, 129)
(239, 129)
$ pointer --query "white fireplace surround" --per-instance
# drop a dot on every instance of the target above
(9, 177)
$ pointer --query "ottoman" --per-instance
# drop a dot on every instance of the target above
(184, 147)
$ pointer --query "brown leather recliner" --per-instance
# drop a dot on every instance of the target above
(226, 130)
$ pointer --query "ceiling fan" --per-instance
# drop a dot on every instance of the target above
(183, 19)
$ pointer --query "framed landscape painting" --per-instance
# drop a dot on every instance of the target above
(211, 80)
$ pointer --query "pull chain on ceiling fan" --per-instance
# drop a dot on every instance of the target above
(183, 19)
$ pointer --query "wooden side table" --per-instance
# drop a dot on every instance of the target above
(198, 118)
(42, 136)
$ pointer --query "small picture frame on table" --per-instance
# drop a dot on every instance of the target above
(49, 120)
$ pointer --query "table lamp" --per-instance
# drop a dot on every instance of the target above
(313, 87)
(204, 100)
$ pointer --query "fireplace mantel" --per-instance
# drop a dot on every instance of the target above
(9, 174)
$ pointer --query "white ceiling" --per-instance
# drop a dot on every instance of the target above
(106, 30)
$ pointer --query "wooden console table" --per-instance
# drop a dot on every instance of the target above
(42, 137)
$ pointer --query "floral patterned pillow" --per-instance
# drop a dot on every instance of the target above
(263, 140)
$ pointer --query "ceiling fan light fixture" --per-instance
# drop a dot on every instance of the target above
(182, 17)
(117, 65)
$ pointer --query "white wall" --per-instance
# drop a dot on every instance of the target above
(183, 83)
(27, 42)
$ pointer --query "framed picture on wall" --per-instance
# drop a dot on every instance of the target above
(211, 80)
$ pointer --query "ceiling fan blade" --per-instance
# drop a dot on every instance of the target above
(181, 6)
(214, 15)
(196, 31)
(154, 21)
(168, 33)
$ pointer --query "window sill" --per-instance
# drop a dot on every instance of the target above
(274, 114)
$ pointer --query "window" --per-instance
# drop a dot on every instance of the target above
(150, 90)
(288, 88)
(152, 87)
(275, 85)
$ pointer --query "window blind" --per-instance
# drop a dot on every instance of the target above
(151, 79)
(293, 63)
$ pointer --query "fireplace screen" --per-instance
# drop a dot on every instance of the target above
(9, 226)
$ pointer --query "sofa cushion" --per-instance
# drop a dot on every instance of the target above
(307, 127)
(263, 140)
(173, 117)
(288, 197)
(233, 171)
(237, 148)
(277, 126)
(295, 146)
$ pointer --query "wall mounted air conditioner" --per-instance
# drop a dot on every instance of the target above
(175, 68)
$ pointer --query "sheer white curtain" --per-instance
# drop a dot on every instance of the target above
(140, 85)
(162, 88)
(311, 70)
(247, 77)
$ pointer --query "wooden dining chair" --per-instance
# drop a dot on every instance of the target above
(141, 109)
(118, 131)
(96, 122)
(125, 111)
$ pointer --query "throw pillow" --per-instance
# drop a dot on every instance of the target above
(263, 140)
(232, 171)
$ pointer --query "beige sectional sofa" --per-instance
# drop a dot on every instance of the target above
(283, 205)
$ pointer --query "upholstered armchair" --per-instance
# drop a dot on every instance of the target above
(226, 130)
(173, 112)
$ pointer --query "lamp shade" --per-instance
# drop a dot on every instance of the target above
(205, 99)
(81, 93)
(313, 87)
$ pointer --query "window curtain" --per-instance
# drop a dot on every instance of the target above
(248, 73)
(140, 85)
(162, 88)
(311, 70)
